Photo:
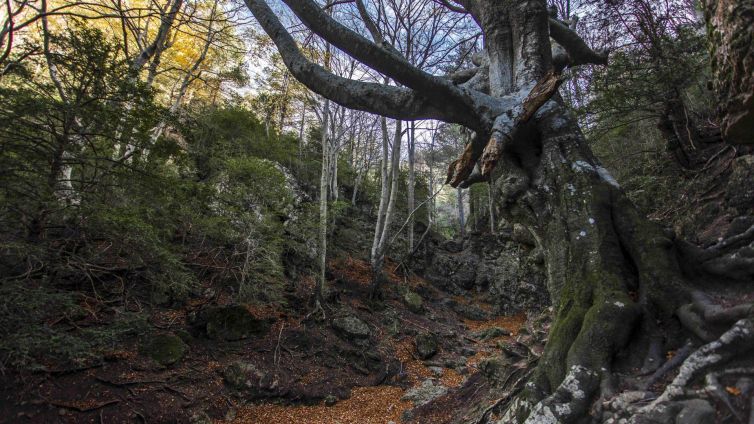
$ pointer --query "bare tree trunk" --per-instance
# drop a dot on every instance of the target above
(387, 203)
(411, 182)
(301, 127)
(323, 198)
(334, 192)
(284, 102)
(491, 205)
(125, 148)
(461, 219)
(364, 164)
(324, 183)
(384, 193)
(61, 172)
(191, 75)
(431, 182)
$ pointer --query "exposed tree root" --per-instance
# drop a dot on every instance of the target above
(694, 323)
(731, 257)
(670, 365)
(738, 340)
(703, 315)
(570, 399)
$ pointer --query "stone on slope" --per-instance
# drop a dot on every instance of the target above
(351, 327)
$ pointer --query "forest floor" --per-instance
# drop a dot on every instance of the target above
(305, 369)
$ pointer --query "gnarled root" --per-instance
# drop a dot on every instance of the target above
(739, 339)
(570, 399)
(703, 316)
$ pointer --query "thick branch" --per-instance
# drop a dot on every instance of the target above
(393, 102)
(578, 51)
(462, 76)
(386, 61)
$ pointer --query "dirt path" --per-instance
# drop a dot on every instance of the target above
(383, 404)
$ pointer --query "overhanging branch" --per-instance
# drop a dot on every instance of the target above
(387, 61)
(389, 101)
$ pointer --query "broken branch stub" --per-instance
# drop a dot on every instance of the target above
(461, 168)
(503, 133)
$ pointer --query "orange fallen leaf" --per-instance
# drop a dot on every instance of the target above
(670, 354)
(735, 391)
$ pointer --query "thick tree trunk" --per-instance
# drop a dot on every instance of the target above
(612, 275)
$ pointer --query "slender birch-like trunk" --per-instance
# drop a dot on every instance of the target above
(411, 182)
(461, 218)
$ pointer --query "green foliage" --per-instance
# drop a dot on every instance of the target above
(646, 82)
(45, 128)
(144, 219)
(37, 322)
(216, 134)
(254, 198)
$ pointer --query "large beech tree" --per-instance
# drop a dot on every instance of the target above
(613, 277)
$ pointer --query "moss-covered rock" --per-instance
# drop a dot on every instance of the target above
(229, 323)
(414, 302)
(496, 369)
(330, 400)
(426, 345)
(242, 375)
(351, 327)
(491, 333)
(166, 349)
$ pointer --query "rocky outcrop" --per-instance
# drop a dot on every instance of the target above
(425, 393)
(506, 265)
(731, 44)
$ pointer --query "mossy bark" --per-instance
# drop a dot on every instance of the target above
(612, 274)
